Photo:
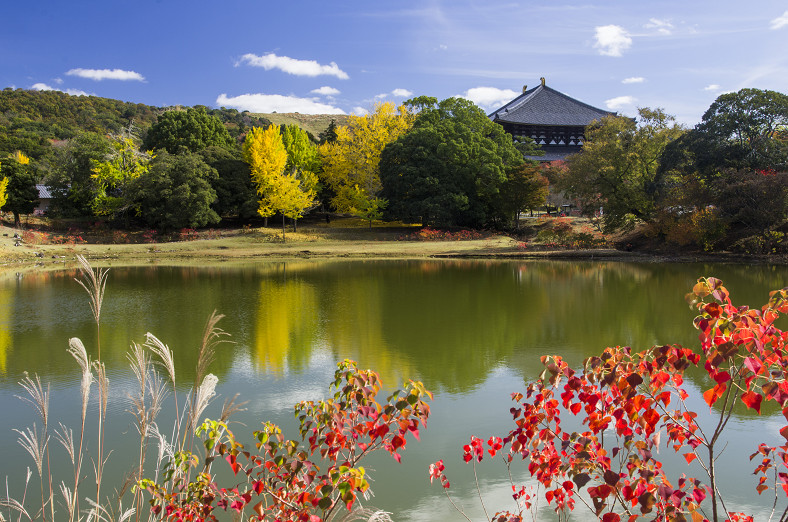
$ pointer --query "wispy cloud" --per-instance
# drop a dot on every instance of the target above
(107, 74)
(780, 21)
(44, 87)
(634, 79)
(396, 93)
(612, 40)
(292, 66)
(662, 26)
(276, 103)
(620, 102)
(713, 87)
(489, 97)
(359, 111)
(326, 91)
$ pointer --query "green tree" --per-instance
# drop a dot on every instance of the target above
(235, 194)
(450, 167)
(351, 163)
(303, 162)
(70, 173)
(175, 192)
(21, 192)
(111, 176)
(193, 129)
(526, 188)
(329, 135)
(618, 168)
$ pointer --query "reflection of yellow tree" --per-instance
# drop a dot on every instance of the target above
(355, 325)
(286, 323)
(6, 298)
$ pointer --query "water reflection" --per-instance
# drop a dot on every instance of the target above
(472, 331)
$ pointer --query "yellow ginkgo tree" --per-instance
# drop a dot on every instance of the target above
(350, 164)
(290, 192)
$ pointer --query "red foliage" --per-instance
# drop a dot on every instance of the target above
(627, 400)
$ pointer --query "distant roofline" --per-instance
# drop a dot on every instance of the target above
(525, 97)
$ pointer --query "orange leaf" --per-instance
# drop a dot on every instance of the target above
(690, 457)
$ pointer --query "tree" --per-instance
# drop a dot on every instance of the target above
(351, 163)
(111, 176)
(70, 173)
(235, 194)
(618, 168)
(303, 161)
(330, 134)
(193, 129)
(288, 193)
(526, 188)
(629, 401)
(21, 192)
(448, 169)
(747, 129)
(175, 192)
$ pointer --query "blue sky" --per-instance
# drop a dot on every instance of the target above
(343, 57)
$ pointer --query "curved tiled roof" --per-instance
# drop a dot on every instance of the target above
(545, 106)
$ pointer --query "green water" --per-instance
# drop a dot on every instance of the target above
(472, 331)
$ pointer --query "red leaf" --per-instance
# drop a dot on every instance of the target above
(752, 400)
(690, 457)
(753, 364)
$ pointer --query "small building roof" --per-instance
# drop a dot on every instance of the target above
(543, 105)
(43, 192)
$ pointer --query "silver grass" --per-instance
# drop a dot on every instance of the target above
(36, 447)
(93, 281)
(77, 350)
(37, 397)
(16, 506)
(163, 352)
(205, 393)
(212, 337)
(103, 387)
(66, 437)
(367, 515)
(68, 496)
(230, 408)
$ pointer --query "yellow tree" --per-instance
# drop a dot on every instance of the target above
(291, 192)
(350, 164)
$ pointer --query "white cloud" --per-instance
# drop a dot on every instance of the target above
(396, 93)
(662, 26)
(292, 66)
(712, 87)
(402, 93)
(489, 96)
(326, 91)
(359, 111)
(443, 47)
(44, 87)
(276, 103)
(620, 102)
(106, 74)
(612, 40)
(780, 21)
(634, 79)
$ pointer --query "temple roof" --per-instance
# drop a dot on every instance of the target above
(545, 106)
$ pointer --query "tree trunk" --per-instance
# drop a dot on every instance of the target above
(17, 222)
(294, 226)
(283, 228)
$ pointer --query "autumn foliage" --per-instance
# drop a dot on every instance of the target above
(306, 479)
(631, 403)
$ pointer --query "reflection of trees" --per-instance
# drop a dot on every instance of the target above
(285, 324)
(6, 306)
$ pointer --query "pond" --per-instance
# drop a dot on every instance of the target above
(472, 331)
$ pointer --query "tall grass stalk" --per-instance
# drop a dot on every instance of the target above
(93, 281)
(103, 395)
(40, 401)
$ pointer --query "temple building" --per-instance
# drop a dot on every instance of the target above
(552, 119)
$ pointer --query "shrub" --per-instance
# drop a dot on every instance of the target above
(628, 401)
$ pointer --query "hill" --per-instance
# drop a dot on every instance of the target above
(31, 121)
(312, 123)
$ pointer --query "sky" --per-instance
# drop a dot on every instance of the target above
(346, 56)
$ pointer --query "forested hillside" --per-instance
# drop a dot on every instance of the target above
(31, 120)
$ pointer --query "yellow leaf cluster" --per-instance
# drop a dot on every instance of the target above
(351, 163)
